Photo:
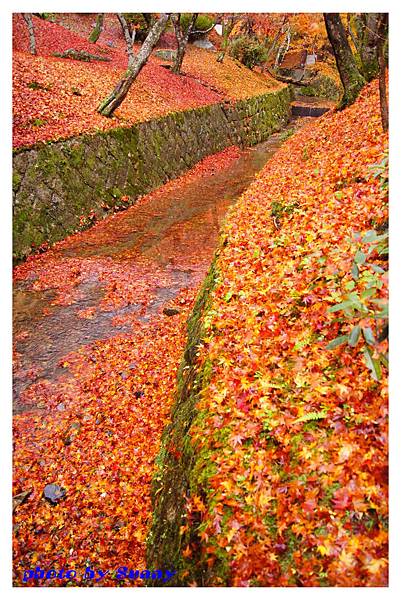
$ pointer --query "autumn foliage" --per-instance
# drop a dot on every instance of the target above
(94, 430)
(290, 444)
(55, 98)
(290, 437)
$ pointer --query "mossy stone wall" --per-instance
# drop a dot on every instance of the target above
(176, 477)
(54, 184)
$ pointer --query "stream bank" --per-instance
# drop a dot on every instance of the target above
(57, 185)
(255, 474)
(171, 235)
(99, 328)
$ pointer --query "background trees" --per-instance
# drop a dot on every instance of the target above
(113, 101)
(370, 41)
(29, 24)
(182, 32)
(356, 41)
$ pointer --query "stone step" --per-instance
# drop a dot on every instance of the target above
(302, 110)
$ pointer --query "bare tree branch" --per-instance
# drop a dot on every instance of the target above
(129, 39)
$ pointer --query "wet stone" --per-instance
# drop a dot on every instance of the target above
(53, 493)
(171, 311)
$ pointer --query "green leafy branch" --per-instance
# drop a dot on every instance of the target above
(365, 302)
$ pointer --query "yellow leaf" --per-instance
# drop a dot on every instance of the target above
(323, 550)
(376, 565)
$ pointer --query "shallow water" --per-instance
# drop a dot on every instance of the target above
(176, 231)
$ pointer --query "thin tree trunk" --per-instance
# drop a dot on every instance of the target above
(176, 68)
(113, 101)
(272, 71)
(368, 53)
(29, 23)
(283, 49)
(182, 39)
(128, 38)
(228, 26)
(350, 76)
(97, 30)
(273, 45)
(382, 32)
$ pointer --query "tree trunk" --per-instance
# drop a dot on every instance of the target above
(113, 101)
(382, 33)
(368, 54)
(276, 38)
(176, 68)
(29, 23)
(283, 49)
(129, 39)
(228, 25)
(97, 30)
(350, 77)
(182, 39)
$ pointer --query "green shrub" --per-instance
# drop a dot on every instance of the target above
(363, 308)
(202, 23)
(248, 50)
(46, 16)
(141, 22)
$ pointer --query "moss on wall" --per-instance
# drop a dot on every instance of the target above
(183, 470)
(175, 477)
(54, 184)
(322, 87)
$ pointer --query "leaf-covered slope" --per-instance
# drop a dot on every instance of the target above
(56, 98)
(288, 457)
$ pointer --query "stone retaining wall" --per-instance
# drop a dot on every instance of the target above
(55, 183)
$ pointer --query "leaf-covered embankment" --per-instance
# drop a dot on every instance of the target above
(280, 442)
(57, 98)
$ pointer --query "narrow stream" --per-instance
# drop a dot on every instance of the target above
(172, 235)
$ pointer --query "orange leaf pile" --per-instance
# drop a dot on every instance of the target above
(56, 98)
(292, 437)
(95, 429)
